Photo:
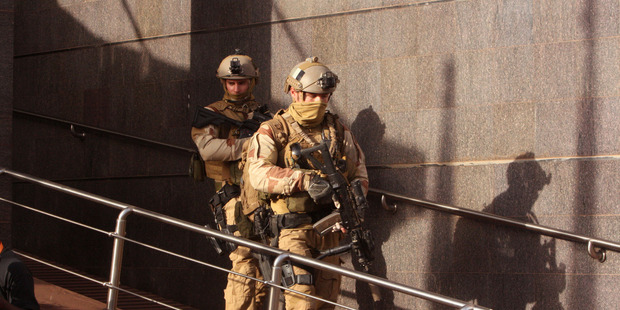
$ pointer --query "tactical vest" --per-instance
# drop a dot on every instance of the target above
(228, 170)
(286, 132)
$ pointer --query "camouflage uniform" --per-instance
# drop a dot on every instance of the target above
(221, 149)
(271, 171)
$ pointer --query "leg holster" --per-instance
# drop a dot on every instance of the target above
(289, 278)
(217, 203)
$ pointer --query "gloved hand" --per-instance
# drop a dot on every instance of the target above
(320, 190)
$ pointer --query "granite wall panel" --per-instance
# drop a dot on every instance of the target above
(436, 29)
(555, 21)
(477, 79)
(398, 37)
(361, 85)
(516, 79)
(600, 63)
(557, 71)
(514, 23)
(331, 45)
(476, 22)
(514, 129)
(469, 133)
(6, 120)
(508, 107)
(398, 78)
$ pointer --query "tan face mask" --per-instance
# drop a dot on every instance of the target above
(308, 114)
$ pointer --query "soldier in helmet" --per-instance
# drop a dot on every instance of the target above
(300, 196)
(221, 147)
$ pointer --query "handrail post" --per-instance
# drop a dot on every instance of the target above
(117, 259)
(276, 279)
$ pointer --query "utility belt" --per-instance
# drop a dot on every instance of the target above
(292, 220)
(286, 221)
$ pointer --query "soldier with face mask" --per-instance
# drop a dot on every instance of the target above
(220, 145)
(299, 196)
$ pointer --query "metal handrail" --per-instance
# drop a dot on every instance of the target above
(127, 209)
(82, 135)
(596, 247)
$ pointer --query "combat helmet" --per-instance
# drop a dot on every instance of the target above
(236, 67)
(311, 76)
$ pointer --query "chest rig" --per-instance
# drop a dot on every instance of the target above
(225, 170)
(287, 132)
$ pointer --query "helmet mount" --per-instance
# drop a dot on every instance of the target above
(311, 76)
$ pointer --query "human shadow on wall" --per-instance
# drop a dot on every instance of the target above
(369, 130)
(506, 268)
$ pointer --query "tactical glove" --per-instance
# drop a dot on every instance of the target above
(320, 190)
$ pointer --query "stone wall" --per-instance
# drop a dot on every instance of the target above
(508, 107)
(6, 105)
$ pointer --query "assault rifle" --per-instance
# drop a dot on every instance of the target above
(204, 117)
(350, 205)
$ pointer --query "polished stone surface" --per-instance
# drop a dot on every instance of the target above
(498, 106)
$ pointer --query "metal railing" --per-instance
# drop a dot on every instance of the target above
(82, 135)
(596, 247)
(281, 256)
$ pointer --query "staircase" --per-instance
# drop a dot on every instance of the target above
(56, 289)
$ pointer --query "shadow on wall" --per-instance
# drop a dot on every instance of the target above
(585, 175)
(504, 268)
(65, 70)
(370, 131)
(443, 177)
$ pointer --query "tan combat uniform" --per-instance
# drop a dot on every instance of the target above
(270, 166)
(221, 150)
